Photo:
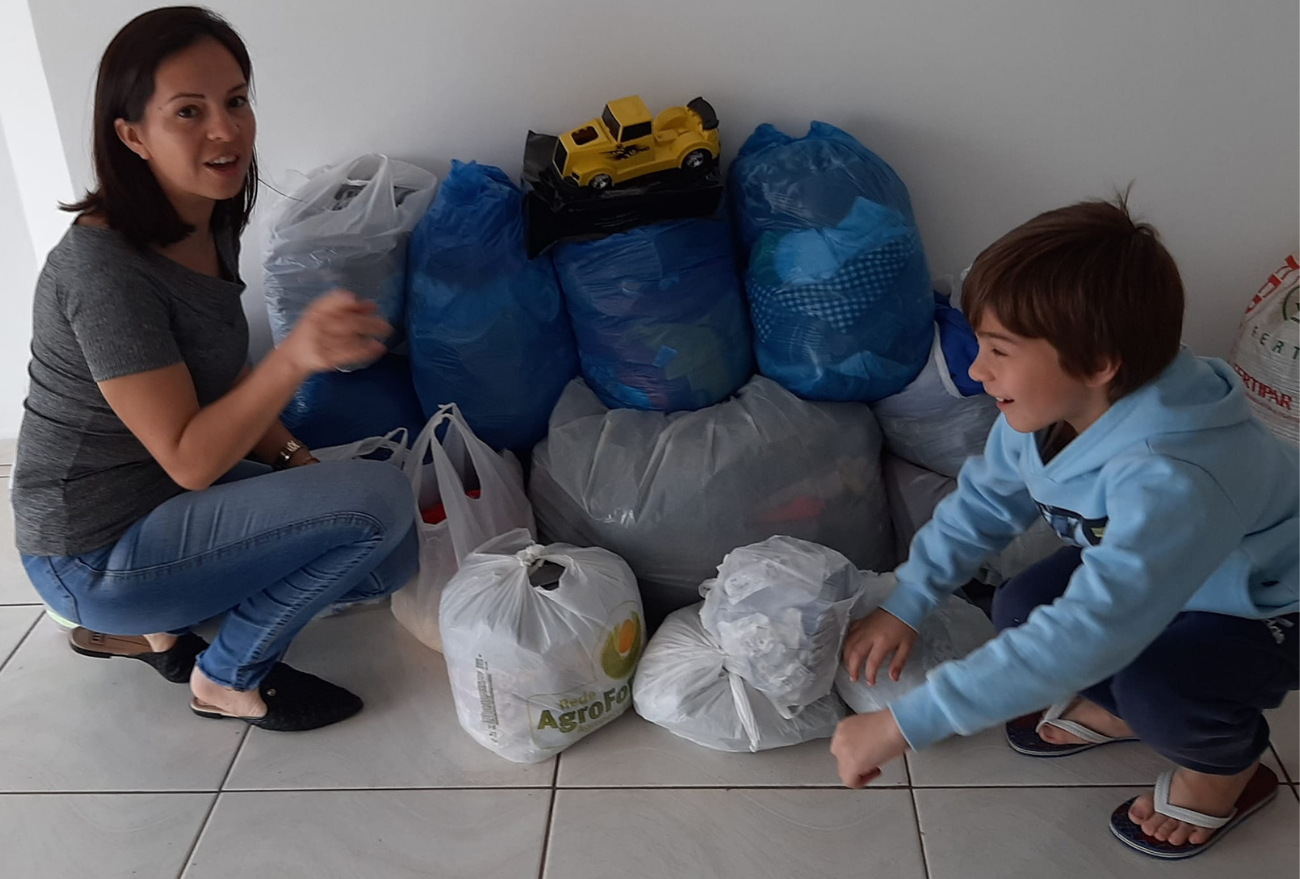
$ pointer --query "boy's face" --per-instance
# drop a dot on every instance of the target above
(1031, 388)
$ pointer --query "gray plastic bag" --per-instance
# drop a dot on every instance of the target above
(914, 492)
(346, 226)
(931, 424)
(673, 494)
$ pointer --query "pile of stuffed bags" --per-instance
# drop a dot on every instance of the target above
(698, 400)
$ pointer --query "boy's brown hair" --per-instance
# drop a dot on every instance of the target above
(1095, 284)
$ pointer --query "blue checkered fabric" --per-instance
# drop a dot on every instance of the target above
(841, 300)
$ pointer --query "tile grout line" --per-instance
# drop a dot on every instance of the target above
(1286, 773)
(916, 816)
(550, 820)
(207, 819)
(21, 641)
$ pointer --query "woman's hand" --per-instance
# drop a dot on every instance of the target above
(872, 639)
(337, 330)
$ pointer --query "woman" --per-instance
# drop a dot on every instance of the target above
(136, 509)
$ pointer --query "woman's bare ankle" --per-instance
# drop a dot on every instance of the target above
(161, 642)
(241, 703)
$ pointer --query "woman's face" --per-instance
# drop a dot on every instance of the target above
(198, 127)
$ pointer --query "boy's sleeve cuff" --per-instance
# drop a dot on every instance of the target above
(920, 720)
(909, 605)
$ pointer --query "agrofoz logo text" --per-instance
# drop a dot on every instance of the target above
(580, 710)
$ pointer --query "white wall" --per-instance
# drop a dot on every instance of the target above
(18, 268)
(33, 179)
(991, 111)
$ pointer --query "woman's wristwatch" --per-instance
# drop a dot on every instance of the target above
(284, 460)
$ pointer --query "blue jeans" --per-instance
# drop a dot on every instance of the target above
(1198, 692)
(268, 549)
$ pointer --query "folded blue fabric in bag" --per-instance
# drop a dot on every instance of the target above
(838, 285)
(659, 315)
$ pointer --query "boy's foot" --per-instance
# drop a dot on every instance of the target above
(1086, 714)
(1209, 794)
(1068, 727)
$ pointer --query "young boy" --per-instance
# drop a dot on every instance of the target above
(1172, 618)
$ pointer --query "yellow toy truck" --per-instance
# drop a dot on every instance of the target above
(626, 142)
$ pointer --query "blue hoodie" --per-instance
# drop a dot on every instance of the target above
(1180, 500)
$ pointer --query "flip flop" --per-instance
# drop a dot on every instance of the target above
(295, 701)
(1023, 733)
(1259, 792)
(175, 664)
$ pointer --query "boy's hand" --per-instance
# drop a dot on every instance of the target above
(865, 742)
(872, 639)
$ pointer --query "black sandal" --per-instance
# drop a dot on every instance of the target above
(295, 701)
(174, 664)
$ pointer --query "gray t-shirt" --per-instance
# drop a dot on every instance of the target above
(104, 309)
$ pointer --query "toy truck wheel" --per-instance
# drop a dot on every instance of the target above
(696, 159)
(601, 181)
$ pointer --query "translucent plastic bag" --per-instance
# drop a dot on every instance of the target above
(1264, 354)
(914, 492)
(950, 632)
(778, 610)
(931, 423)
(673, 494)
(445, 463)
(838, 286)
(541, 643)
(683, 685)
(346, 226)
(659, 315)
(487, 327)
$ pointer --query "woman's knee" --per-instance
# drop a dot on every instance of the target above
(375, 489)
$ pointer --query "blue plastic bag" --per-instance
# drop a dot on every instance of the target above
(659, 315)
(960, 347)
(487, 328)
(838, 286)
(336, 408)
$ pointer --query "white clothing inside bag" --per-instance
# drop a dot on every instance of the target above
(442, 471)
(779, 609)
(683, 685)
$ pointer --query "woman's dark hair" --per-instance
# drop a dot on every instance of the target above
(128, 195)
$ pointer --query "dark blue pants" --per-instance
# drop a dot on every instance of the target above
(1197, 693)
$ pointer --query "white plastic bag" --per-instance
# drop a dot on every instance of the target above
(779, 609)
(346, 226)
(393, 445)
(683, 685)
(1266, 350)
(539, 658)
(443, 471)
(914, 492)
(930, 423)
(673, 494)
(951, 631)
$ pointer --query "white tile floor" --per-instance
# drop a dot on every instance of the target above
(104, 772)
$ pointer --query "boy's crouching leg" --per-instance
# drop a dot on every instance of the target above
(1195, 695)
(1039, 584)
